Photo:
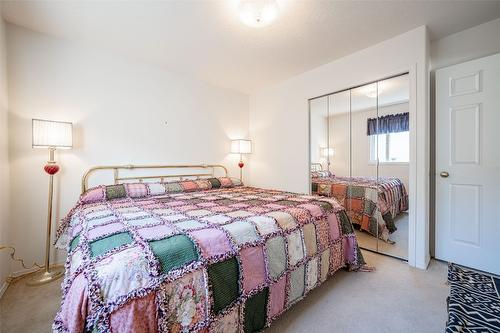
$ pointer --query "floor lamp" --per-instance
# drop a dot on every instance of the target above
(50, 135)
(241, 147)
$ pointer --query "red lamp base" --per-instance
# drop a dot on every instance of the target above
(51, 169)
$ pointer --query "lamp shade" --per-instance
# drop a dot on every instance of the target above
(241, 146)
(52, 134)
(325, 152)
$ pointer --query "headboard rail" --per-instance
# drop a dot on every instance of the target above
(205, 170)
(316, 167)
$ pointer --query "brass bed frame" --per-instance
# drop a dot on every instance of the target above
(206, 170)
(316, 167)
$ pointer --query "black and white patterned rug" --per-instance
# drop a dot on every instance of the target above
(474, 302)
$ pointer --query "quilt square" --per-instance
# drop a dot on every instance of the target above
(336, 257)
(313, 209)
(220, 209)
(333, 222)
(190, 224)
(212, 242)
(74, 243)
(217, 219)
(206, 204)
(199, 213)
(229, 323)
(242, 232)
(107, 229)
(203, 184)
(295, 247)
(189, 185)
(99, 214)
(173, 187)
(115, 192)
(128, 209)
(310, 239)
(214, 182)
(93, 195)
(122, 272)
(135, 215)
(136, 190)
(174, 218)
(297, 284)
(239, 213)
(174, 252)
(104, 245)
(155, 232)
(255, 311)
(226, 182)
(156, 188)
(138, 316)
(311, 273)
(163, 211)
(224, 277)
(276, 256)
(323, 231)
(144, 221)
(253, 267)
(300, 215)
(325, 265)
(102, 220)
(277, 297)
(355, 192)
(284, 220)
(182, 303)
(265, 225)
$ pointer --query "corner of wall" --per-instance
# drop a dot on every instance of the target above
(5, 269)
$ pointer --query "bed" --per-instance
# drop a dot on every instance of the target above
(371, 203)
(199, 253)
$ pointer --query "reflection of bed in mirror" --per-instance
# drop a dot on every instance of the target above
(369, 201)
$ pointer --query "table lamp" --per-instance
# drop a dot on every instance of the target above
(50, 135)
(241, 147)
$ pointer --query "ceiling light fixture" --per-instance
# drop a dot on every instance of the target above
(258, 13)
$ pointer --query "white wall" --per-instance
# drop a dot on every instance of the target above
(119, 109)
(479, 41)
(279, 118)
(4, 163)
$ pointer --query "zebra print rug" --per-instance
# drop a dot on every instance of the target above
(474, 301)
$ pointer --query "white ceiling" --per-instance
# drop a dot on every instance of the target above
(205, 39)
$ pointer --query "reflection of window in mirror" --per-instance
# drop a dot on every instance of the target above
(392, 147)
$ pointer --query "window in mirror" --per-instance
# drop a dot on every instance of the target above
(392, 147)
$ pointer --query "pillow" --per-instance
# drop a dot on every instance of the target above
(321, 174)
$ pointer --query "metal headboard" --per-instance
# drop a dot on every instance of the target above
(209, 171)
(316, 167)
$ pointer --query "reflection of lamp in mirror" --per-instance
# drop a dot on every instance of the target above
(241, 147)
(327, 152)
(50, 135)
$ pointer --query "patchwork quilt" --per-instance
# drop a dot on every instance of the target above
(196, 256)
(370, 203)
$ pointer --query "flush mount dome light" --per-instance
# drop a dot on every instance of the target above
(258, 13)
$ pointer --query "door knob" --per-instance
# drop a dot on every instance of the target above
(444, 174)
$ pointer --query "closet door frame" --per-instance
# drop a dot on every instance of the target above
(418, 236)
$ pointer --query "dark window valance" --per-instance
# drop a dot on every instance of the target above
(392, 123)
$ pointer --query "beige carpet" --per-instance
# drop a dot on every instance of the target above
(400, 237)
(395, 298)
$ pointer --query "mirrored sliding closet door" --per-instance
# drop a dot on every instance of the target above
(359, 153)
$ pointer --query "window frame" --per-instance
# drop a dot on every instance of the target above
(372, 144)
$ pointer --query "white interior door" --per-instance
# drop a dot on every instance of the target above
(468, 164)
